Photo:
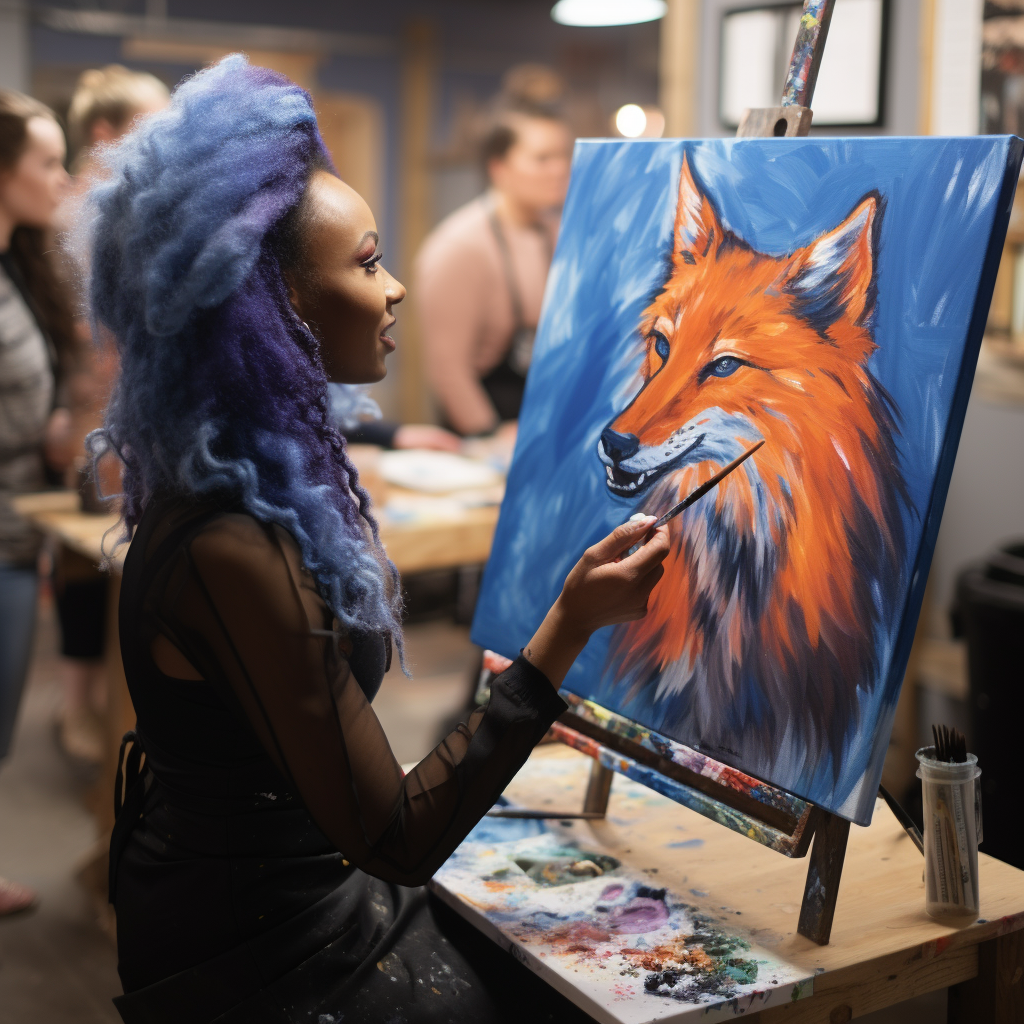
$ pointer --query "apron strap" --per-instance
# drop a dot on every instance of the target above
(510, 271)
(130, 787)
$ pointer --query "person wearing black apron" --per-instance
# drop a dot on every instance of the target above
(480, 274)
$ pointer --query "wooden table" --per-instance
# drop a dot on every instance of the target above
(884, 948)
(414, 546)
(462, 537)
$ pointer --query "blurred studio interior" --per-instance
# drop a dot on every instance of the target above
(455, 121)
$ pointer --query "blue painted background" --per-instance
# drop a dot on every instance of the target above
(946, 200)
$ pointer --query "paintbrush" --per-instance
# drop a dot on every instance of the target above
(698, 492)
(903, 818)
(516, 812)
(952, 871)
(950, 744)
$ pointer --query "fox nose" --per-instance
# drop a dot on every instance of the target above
(619, 446)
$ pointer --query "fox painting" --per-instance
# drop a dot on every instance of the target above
(761, 638)
(824, 296)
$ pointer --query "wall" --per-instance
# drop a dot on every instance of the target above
(14, 53)
(985, 505)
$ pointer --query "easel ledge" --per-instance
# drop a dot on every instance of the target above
(770, 816)
(764, 813)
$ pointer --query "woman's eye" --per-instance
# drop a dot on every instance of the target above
(371, 263)
(724, 367)
(661, 346)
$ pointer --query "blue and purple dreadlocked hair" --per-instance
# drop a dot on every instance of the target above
(221, 389)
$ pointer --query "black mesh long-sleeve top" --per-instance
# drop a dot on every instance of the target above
(270, 789)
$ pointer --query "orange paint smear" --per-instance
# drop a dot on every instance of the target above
(671, 954)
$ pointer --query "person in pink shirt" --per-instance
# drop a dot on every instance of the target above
(480, 274)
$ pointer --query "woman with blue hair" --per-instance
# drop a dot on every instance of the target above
(269, 855)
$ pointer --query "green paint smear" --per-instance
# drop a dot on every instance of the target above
(742, 971)
(798, 990)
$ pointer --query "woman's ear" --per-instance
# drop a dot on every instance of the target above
(293, 295)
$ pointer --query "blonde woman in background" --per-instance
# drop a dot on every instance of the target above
(106, 103)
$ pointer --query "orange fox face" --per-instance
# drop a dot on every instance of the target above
(762, 629)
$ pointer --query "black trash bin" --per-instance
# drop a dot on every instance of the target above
(989, 613)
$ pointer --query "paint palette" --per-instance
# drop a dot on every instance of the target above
(625, 951)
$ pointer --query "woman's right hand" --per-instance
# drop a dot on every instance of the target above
(603, 588)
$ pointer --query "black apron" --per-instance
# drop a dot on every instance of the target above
(507, 381)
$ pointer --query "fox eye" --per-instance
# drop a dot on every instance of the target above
(661, 345)
(724, 367)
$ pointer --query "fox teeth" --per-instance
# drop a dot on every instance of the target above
(630, 486)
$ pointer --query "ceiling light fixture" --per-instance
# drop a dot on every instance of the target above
(592, 13)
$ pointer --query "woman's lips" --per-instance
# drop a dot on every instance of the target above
(388, 341)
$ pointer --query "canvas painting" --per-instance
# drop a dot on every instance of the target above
(825, 296)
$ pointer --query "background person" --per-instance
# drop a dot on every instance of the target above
(35, 332)
(105, 104)
(481, 272)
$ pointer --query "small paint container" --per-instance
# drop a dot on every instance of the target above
(952, 830)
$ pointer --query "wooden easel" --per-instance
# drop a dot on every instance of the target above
(762, 812)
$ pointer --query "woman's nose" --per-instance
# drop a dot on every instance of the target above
(394, 290)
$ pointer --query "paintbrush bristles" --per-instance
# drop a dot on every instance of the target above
(950, 744)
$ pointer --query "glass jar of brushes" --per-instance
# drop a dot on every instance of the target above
(951, 796)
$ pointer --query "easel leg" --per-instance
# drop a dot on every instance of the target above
(823, 875)
(599, 788)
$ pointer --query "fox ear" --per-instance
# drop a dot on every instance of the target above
(833, 276)
(697, 227)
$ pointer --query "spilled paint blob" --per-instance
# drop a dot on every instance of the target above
(641, 914)
(493, 885)
(684, 843)
(565, 866)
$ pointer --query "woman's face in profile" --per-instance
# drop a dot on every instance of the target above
(340, 287)
(32, 189)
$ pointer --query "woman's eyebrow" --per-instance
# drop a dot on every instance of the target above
(370, 234)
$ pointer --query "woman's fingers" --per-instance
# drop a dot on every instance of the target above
(621, 538)
(643, 593)
(648, 555)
